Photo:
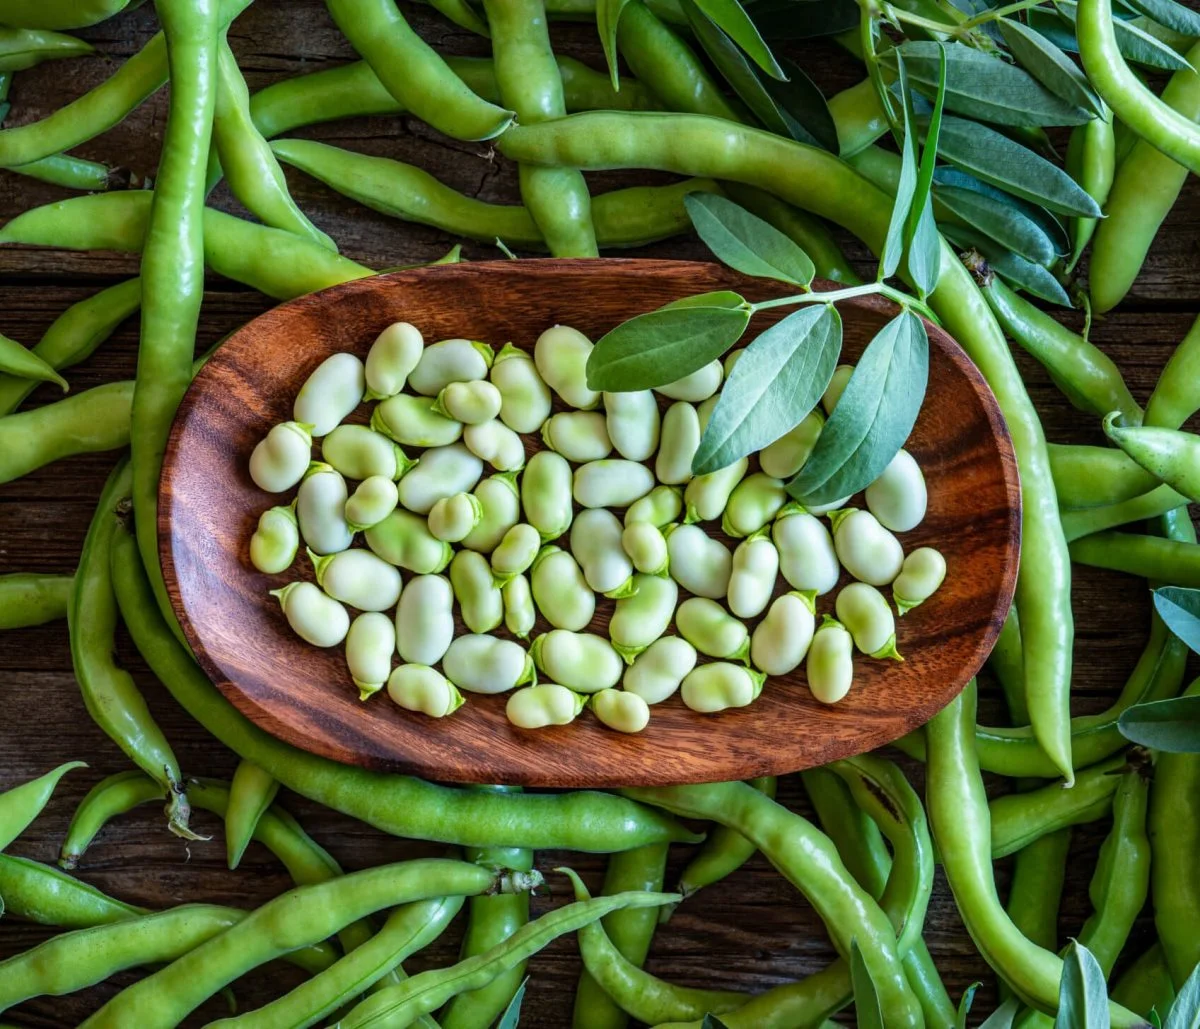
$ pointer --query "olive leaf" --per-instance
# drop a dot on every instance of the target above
(803, 19)
(1050, 224)
(717, 298)
(778, 380)
(867, 1012)
(1003, 1016)
(1185, 1010)
(923, 245)
(982, 86)
(661, 346)
(1170, 15)
(1050, 65)
(512, 1014)
(1155, 1021)
(1016, 271)
(800, 100)
(732, 19)
(1170, 725)
(893, 247)
(1179, 608)
(1135, 44)
(745, 242)
(999, 221)
(873, 417)
(994, 158)
(608, 15)
(1083, 993)
(964, 1006)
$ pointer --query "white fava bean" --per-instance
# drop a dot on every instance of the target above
(412, 422)
(519, 612)
(788, 454)
(830, 664)
(358, 578)
(425, 619)
(330, 393)
(560, 590)
(647, 547)
(477, 594)
(358, 453)
(525, 398)
(501, 504)
(417, 687)
(782, 638)
(403, 539)
(837, 386)
(864, 612)
(719, 686)
(392, 356)
(611, 483)
(536, 707)
(679, 443)
(450, 360)
(923, 572)
(865, 548)
(658, 670)
(633, 423)
(700, 564)
(321, 510)
(707, 495)
(625, 712)
(642, 617)
(281, 457)
(452, 518)
(313, 616)
(578, 435)
(370, 643)
(375, 498)
(806, 554)
(581, 661)
(898, 497)
(471, 403)
(752, 576)
(708, 627)
(753, 503)
(495, 443)
(561, 354)
(485, 664)
(833, 505)
(661, 506)
(546, 494)
(705, 409)
(596, 544)
(275, 542)
(441, 472)
(515, 552)
(699, 385)
(731, 360)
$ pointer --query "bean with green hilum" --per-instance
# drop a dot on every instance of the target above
(536, 543)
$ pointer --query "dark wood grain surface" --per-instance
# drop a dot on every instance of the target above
(747, 933)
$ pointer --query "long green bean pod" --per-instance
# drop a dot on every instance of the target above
(70, 172)
(1176, 395)
(723, 853)
(1008, 665)
(59, 14)
(1092, 162)
(110, 797)
(31, 598)
(1167, 561)
(43, 894)
(1170, 455)
(1087, 476)
(251, 792)
(1146, 983)
(20, 805)
(1156, 502)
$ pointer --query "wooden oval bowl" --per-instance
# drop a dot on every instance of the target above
(208, 508)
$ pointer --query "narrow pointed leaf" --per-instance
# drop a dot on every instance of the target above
(745, 242)
(1170, 15)
(868, 1014)
(803, 19)
(800, 100)
(923, 256)
(893, 247)
(778, 380)
(733, 20)
(1016, 271)
(1179, 607)
(512, 1014)
(964, 1006)
(874, 416)
(1171, 725)
(1000, 222)
(717, 298)
(659, 347)
(608, 15)
(1185, 1011)
(1003, 1016)
(1083, 994)
(1050, 65)
(1135, 44)
(1050, 224)
(922, 244)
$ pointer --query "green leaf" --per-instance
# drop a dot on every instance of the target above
(801, 101)
(1154, 1020)
(893, 247)
(1016, 271)
(866, 1000)
(1050, 66)
(1083, 993)
(1170, 15)
(1003, 1016)
(803, 19)
(874, 416)
(923, 245)
(1135, 44)
(512, 1014)
(999, 221)
(985, 87)
(778, 380)
(1171, 725)
(964, 1006)
(993, 157)
(1185, 1011)
(608, 15)
(717, 298)
(661, 346)
(745, 242)
(732, 19)
(1050, 224)
(712, 1022)
(1179, 607)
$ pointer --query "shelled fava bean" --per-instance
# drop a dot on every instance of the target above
(534, 541)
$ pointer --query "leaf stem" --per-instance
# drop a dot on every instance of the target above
(866, 289)
(928, 24)
(866, 32)
(998, 12)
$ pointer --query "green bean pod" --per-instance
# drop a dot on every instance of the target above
(22, 804)
(1175, 398)
(1087, 476)
(1170, 455)
(1158, 501)
(1092, 162)
(43, 894)
(723, 853)
(60, 14)
(251, 793)
(25, 364)
(1146, 983)
(30, 598)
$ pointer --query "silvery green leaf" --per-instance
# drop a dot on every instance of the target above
(1083, 993)
(732, 19)
(1179, 608)
(800, 100)
(983, 86)
(923, 245)
(998, 221)
(1003, 1016)
(1185, 1010)
(1168, 725)
(873, 417)
(923, 255)
(1049, 223)
(1050, 65)
(745, 242)
(1016, 271)
(512, 1014)
(893, 247)
(1170, 15)
(778, 380)
(608, 15)
(868, 1014)
(964, 1006)
(1135, 44)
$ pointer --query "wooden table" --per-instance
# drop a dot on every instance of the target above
(751, 931)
